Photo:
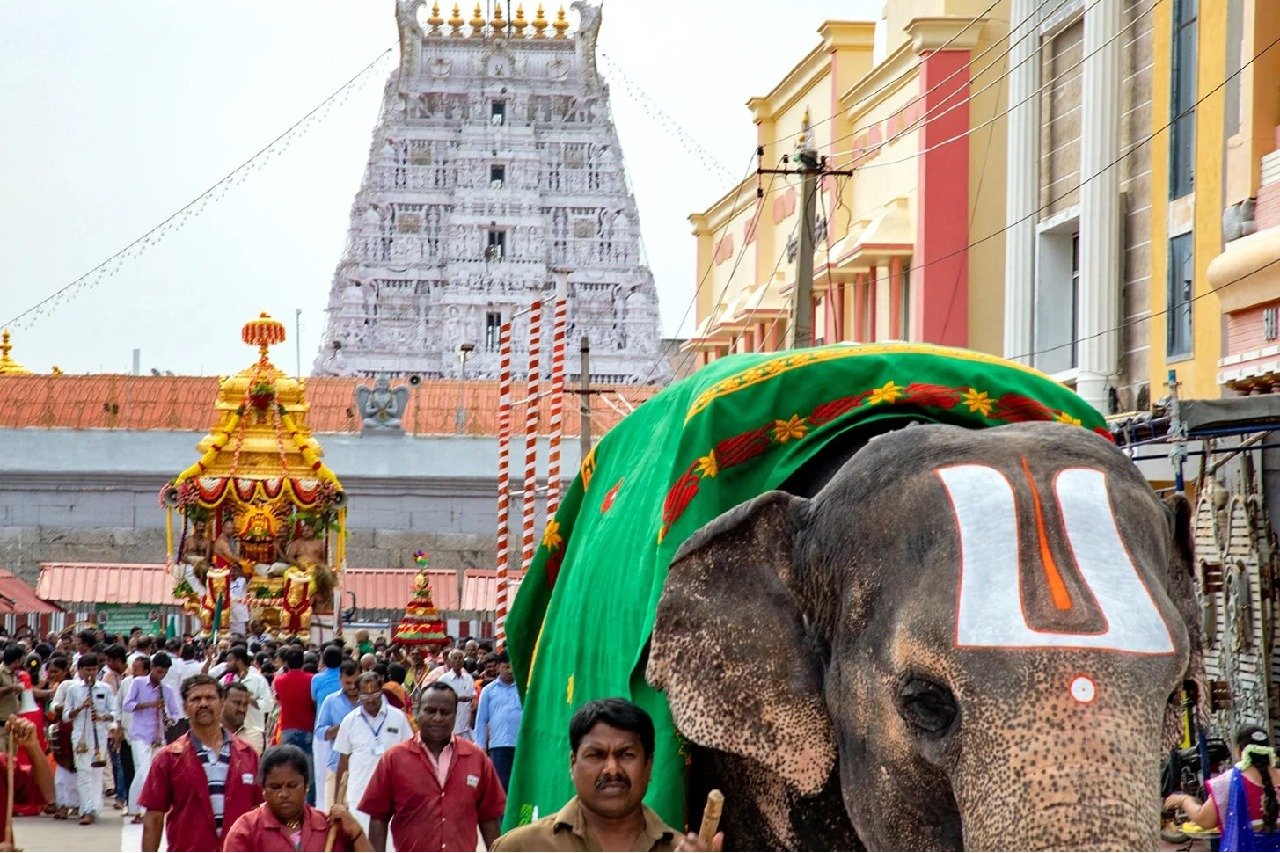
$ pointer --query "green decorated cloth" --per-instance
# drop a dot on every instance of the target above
(739, 427)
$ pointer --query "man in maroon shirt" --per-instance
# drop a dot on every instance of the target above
(436, 790)
(297, 709)
(199, 785)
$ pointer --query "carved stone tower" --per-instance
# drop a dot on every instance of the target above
(495, 163)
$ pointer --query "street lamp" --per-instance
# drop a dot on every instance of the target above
(464, 352)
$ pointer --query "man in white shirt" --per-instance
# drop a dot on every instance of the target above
(465, 686)
(184, 666)
(90, 710)
(363, 736)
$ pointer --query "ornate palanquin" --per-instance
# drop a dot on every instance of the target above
(259, 506)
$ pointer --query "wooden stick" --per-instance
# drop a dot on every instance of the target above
(340, 796)
(711, 817)
(12, 753)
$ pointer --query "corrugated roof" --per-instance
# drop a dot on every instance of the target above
(114, 583)
(17, 596)
(105, 583)
(480, 590)
(115, 401)
(390, 589)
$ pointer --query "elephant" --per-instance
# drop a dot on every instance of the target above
(936, 638)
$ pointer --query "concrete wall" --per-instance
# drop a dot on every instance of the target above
(90, 496)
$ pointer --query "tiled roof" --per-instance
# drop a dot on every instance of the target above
(374, 589)
(17, 596)
(116, 401)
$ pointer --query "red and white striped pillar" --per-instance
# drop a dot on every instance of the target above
(531, 435)
(559, 330)
(504, 479)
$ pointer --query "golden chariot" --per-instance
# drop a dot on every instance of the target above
(262, 519)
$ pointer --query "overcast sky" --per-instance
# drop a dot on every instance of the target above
(116, 115)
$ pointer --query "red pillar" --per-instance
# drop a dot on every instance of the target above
(859, 307)
(941, 280)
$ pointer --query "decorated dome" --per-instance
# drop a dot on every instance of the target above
(422, 624)
(261, 426)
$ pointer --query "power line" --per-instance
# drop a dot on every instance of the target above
(1056, 81)
(1052, 201)
(178, 218)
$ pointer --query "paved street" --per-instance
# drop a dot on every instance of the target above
(44, 833)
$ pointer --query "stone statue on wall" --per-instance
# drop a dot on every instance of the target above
(382, 407)
(588, 32)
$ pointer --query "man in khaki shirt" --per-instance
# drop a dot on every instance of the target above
(611, 760)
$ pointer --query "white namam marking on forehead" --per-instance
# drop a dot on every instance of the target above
(989, 612)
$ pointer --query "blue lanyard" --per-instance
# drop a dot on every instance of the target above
(378, 731)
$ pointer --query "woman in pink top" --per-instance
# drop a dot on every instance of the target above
(284, 822)
(1256, 770)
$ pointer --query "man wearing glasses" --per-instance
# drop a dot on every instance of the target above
(363, 736)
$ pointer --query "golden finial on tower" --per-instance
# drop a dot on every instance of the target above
(498, 23)
(540, 24)
(802, 141)
(519, 23)
(560, 24)
(477, 23)
(435, 20)
(456, 22)
(9, 367)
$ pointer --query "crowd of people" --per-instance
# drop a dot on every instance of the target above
(264, 743)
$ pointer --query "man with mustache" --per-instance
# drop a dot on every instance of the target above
(437, 791)
(202, 782)
(611, 745)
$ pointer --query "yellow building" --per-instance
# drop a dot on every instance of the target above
(1188, 119)
(1243, 281)
(909, 247)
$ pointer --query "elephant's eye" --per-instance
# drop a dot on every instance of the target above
(927, 706)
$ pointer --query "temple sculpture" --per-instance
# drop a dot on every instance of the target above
(495, 163)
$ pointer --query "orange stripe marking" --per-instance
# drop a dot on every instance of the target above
(1057, 587)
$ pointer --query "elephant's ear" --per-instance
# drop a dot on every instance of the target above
(730, 645)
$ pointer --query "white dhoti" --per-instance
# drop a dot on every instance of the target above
(189, 572)
(321, 749)
(64, 788)
(239, 606)
(143, 751)
(89, 783)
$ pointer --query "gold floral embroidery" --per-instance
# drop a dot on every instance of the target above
(886, 393)
(1064, 418)
(707, 465)
(551, 539)
(790, 361)
(978, 401)
(784, 431)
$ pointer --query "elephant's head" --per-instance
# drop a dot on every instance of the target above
(983, 631)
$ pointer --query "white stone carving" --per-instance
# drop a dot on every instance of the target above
(421, 272)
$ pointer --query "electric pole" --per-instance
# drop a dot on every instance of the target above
(809, 166)
(584, 400)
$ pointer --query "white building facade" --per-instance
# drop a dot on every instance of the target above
(494, 167)
(1077, 245)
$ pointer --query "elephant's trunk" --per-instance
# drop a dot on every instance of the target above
(1066, 796)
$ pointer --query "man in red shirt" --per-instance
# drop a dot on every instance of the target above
(203, 781)
(437, 790)
(31, 785)
(297, 708)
